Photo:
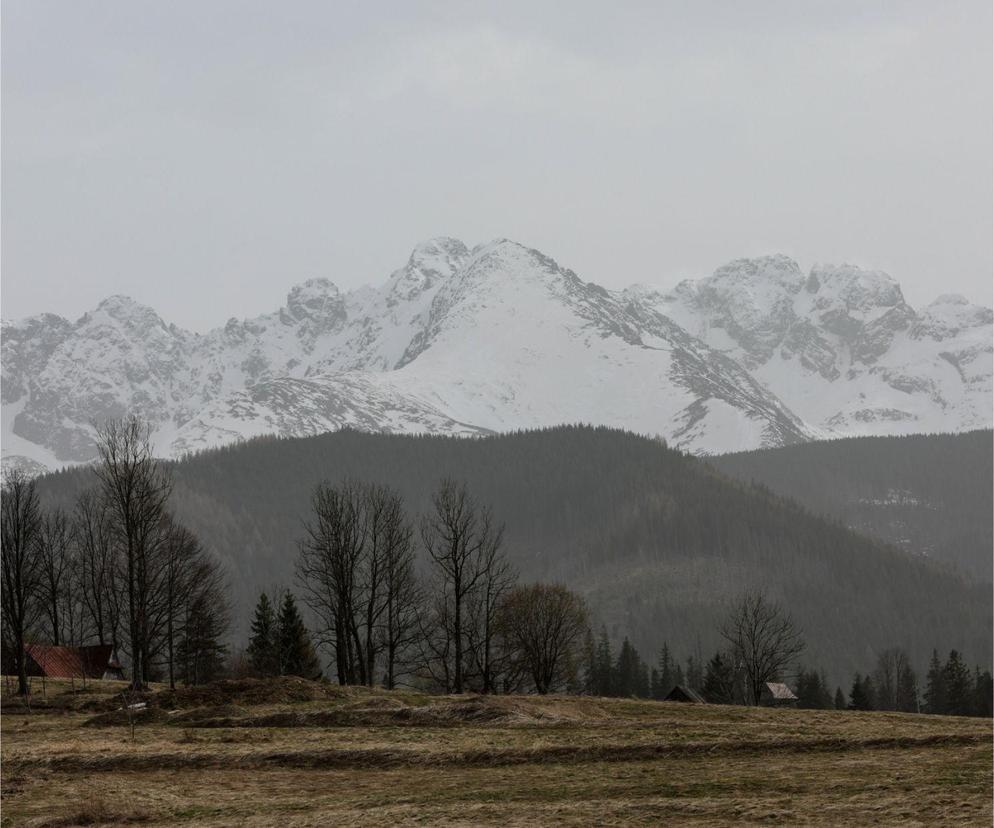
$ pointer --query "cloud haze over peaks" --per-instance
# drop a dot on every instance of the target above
(204, 157)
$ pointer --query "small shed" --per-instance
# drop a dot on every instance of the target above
(680, 693)
(98, 661)
(776, 694)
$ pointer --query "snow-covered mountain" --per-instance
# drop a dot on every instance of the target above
(501, 337)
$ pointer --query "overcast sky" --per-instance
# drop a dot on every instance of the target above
(202, 157)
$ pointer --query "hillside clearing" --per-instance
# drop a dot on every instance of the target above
(300, 753)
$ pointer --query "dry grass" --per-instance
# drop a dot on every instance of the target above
(313, 754)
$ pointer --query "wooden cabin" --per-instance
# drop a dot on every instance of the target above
(684, 694)
(776, 694)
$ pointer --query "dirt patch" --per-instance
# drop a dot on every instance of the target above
(251, 691)
(207, 714)
(379, 711)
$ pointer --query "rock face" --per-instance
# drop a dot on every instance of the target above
(501, 337)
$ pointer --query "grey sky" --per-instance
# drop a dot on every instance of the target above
(204, 156)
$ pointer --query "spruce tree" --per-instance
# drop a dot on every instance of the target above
(643, 688)
(603, 668)
(859, 697)
(262, 650)
(695, 675)
(826, 695)
(626, 670)
(935, 687)
(907, 689)
(959, 688)
(666, 678)
(719, 680)
(840, 699)
(809, 690)
(296, 652)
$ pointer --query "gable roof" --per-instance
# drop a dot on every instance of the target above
(780, 692)
(682, 693)
(72, 662)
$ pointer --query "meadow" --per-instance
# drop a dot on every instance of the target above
(294, 753)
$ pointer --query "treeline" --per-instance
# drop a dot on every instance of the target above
(462, 622)
(654, 540)
(950, 688)
(117, 568)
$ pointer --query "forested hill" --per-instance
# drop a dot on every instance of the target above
(656, 540)
(930, 493)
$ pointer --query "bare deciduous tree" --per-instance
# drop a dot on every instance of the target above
(461, 541)
(95, 554)
(328, 571)
(763, 641)
(546, 627)
(21, 566)
(497, 578)
(135, 488)
(401, 592)
(57, 571)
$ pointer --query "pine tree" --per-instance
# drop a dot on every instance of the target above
(840, 699)
(643, 688)
(859, 697)
(959, 688)
(936, 700)
(826, 695)
(602, 666)
(296, 651)
(695, 675)
(626, 670)
(201, 652)
(907, 689)
(870, 692)
(262, 646)
(719, 680)
(666, 678)
(811, 694)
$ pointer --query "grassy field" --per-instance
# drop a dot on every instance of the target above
(295, 753)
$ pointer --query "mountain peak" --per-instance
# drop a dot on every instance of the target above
(125, 311)
(857, 289)
(315, 299)
(775, 268)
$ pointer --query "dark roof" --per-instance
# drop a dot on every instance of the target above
(684, 694)
(780, 692)
(72, 662)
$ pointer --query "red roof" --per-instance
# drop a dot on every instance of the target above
(72, 662)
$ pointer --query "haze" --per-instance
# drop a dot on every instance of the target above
(203, 157)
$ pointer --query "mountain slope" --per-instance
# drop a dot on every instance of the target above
(841, 347)
(929, 494)
(501, 337)
(656, 540)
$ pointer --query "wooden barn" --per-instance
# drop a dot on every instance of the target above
(98, 661)
(776, 694)
(684, 694)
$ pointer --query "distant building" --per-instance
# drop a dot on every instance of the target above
(98, 661)
(684, 694)
(777, 695)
